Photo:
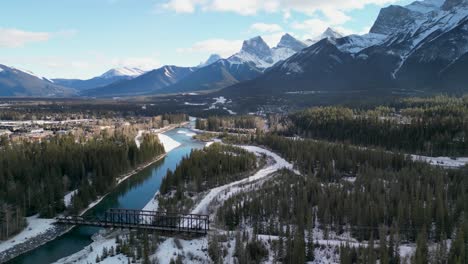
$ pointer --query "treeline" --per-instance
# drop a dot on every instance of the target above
(434, 126)
(229, 123)
(175, 118)
(204, 169)
(34, 177)
(76, 109)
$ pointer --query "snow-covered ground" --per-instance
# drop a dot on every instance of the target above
(153, 204)
(168, 143)
(194, 104)
(68, 197)
(89, 253)
(195, 248)
(36, 226)
(138, 138)
(442, 161)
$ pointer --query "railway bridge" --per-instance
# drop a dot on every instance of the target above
(172, 223)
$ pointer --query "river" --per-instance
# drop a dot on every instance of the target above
(134, 193)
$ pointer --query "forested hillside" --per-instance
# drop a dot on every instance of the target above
(34, 177)
(436, 126)
(372, 195)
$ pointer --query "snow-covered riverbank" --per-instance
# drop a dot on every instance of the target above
(279, 163)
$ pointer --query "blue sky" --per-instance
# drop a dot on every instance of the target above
(84, 38)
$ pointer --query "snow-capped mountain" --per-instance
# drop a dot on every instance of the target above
(150, 82)
(249, 63)
(123, 72)
(289, 42)
(107, 78)
(16, 82)
(422, 46)
(329, 33)
(212, 59)
(257, 52)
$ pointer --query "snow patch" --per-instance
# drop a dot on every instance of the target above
(138, 138)
(194, 104)
(168, 143)
(35, 227)
(442, 161)
(68, 198)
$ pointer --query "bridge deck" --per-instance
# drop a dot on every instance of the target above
(149, 220)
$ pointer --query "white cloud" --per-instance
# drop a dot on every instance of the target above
(335, 17)
(82, 66)
(333, 13)
(252, 7)
(243, 7)
(182, 6)
(273, 39)
(263, 27)
(312, 27)
(13, 38)
(222, 47)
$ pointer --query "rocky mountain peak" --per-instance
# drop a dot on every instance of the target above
(257, 46)
(331, 33)
(288, 41)
(392, 19)
(212, 59)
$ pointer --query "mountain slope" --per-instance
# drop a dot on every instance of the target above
(109, 77)
(215, 76)
(150, 82)
(329, 33)
(422, 46)
(15, 82)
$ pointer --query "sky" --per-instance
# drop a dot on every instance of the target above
(84, 38)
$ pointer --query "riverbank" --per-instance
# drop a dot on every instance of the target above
(40, 231)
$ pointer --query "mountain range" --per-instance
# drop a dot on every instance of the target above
(422, 46)
(215, 74)
(107, 78)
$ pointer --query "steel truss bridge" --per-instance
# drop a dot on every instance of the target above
(172, 223)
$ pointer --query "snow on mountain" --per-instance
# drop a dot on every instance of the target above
(415, 25)
(289, 42)
(257, 52)
(423, 45)
(123, 71)
(356, 43)
(257, 47)
(212, 59)
(18, 82)
(329, 33)
(33, 74)
(425, 6)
